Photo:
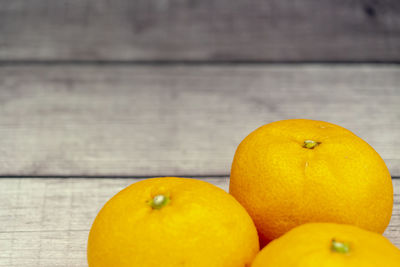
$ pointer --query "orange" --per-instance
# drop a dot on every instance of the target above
(292, 172)
(172, 222)
(329, 245)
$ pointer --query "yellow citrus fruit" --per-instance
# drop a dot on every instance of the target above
(329, 245)
(292, 172)
(172, 222)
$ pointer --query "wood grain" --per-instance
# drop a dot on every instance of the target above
(45, 222)
(275, 30)
(182, 120)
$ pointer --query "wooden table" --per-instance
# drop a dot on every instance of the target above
(47, 220)
(96, 95)
(100, 123)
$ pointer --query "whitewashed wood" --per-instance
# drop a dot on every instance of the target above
(273, 30)
(45, 222)
(182, 120)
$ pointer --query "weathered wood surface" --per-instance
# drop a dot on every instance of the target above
(275, 30)
(45, 222)
(182, 120)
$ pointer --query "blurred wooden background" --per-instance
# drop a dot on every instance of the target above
(205, 30)
(134, 89)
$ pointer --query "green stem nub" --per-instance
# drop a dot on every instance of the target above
(159, 201)
(340, 247)
(310, 144)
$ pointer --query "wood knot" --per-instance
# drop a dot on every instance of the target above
(370, 11)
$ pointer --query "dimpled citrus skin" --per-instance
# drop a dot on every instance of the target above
(201, 225)
(310, 245)
(282, 184)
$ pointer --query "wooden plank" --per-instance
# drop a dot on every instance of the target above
(45, 222)
(182, 120)
(275, 30)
